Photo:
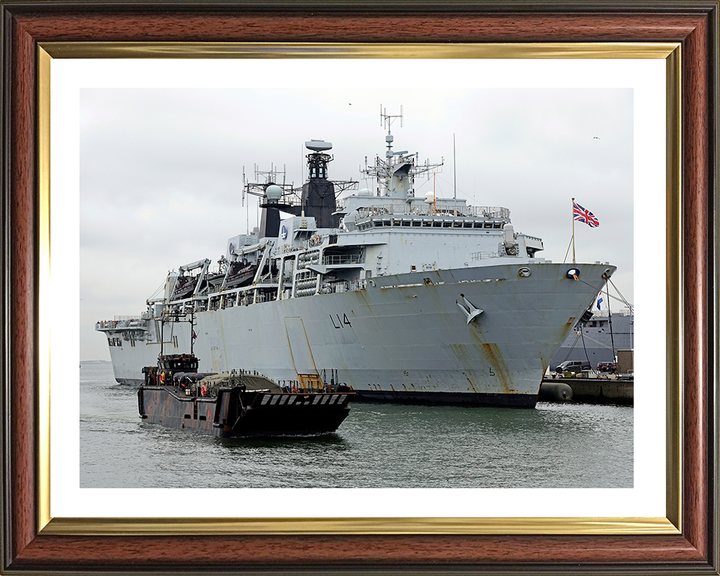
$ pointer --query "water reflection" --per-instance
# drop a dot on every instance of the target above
(281, 442)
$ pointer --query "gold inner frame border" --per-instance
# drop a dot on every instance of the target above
(671, 524)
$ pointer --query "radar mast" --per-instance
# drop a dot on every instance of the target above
(396, 174)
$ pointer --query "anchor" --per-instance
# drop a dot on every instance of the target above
(471, 312)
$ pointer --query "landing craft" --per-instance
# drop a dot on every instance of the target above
(403, 298)
(237, 404)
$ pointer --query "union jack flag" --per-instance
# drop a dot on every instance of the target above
(582, 215)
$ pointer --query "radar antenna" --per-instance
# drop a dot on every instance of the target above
(386, 121)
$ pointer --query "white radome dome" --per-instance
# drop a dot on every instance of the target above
(273, 192)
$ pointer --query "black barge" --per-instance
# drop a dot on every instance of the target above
(238, 404)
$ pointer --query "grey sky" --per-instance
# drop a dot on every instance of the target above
(161, 169)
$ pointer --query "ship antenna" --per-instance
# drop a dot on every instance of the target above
(434, 196)
(386, 121)
(242, 198)
(454, 171)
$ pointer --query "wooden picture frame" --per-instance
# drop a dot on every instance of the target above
(686, 542)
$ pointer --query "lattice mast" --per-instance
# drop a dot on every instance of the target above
(395, 175)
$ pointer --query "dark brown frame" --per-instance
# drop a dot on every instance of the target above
(694, 24)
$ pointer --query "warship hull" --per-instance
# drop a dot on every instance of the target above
(477, 335)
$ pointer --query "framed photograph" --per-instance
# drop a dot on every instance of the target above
(582, 130)
(57, 517)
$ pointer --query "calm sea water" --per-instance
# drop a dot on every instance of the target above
(377, 446)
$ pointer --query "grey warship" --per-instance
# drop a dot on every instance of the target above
(403, 298)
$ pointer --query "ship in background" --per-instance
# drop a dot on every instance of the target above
(403, 298)
(599, 339)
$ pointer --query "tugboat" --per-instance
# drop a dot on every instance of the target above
(238, 404)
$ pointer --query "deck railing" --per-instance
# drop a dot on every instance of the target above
(337, 259)
(430, 210)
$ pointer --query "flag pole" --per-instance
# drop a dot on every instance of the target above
(573, 229)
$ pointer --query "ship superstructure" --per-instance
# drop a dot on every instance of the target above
(403, 297)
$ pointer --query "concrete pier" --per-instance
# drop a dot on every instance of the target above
(597, 390)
